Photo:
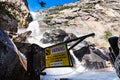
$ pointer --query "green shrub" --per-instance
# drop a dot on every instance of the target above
(67, 7)
(47, 19)
(65, 23)
(106, 35)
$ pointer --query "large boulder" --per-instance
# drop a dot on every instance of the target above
(56, 36)
(81, 52)
(13, 14)
(10, 67)
(117, 60)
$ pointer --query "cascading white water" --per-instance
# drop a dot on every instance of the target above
(34, 27)
(35, 38)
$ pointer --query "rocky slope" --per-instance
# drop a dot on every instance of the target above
(14, 13)
(85, 16)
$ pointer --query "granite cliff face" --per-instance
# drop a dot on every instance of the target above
(85, 16)
(14, 14)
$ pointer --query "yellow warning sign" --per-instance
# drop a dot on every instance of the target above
(57, 56)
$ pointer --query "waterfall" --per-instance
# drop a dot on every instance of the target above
(79, 72)
(35, 38)
(34, 27)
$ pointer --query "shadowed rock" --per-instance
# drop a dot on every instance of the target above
(8, 57)
(56, 36)
(22, 37)
(81, 52)
(10, 66)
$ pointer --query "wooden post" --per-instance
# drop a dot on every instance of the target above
(33, 67)
(30, 69)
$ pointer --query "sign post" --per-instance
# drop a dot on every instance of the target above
(57, 56)
(35, 62)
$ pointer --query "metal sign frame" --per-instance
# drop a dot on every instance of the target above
(69, 57)
(56, 57)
